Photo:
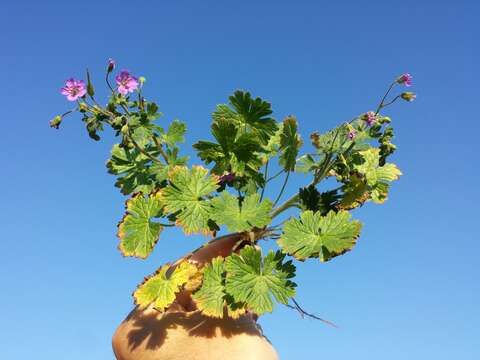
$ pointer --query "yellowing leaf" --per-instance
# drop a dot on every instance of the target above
(161, 288)
(372, 171)
(138, 234)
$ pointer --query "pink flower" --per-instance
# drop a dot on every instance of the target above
(370, 118)
(73, 89)
(126, 82)
(405, 79)
(352, 134)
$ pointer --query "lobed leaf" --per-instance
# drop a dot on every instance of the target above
(254, 281)
(137, 232)
(373, 172)
(235, 152)
(290, 143)
(161, 288)
(133, 170)
(251, 213)
(314, 235)
(254, 113)
(184, 196)
(210, 298)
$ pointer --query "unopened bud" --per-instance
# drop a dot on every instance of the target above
(142, 80)
(56, 121)
(111, 65)
(408, 96)
(82, 107)
(90, 90)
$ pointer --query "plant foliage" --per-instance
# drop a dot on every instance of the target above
(228, 192)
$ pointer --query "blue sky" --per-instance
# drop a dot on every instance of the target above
(409, 289)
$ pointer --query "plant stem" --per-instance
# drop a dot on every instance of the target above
(160, 149)
(265, 185)
(391, 102)
(108, 83)
(274, 176)
(283, 188)
(303, 313)
(287, 204)
(139, 148)
(380, 106)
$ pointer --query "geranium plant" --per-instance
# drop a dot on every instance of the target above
(227, 192)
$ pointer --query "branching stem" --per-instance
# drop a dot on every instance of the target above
(303, 313)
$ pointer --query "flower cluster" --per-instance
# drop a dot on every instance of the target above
(126, 83)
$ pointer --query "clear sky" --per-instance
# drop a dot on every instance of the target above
(409, 290)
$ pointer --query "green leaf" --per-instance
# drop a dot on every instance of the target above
(255, 114)
(306, 163)
(161, 288)
(224, 112)
(185, 194)
(251, 213)
(160, 170)
(137, 232)
(379, 193)
(254, 280)
(175, 133)
(373, 172)
(272, 148)
(133, 168)
(355, 193)
(314, 235)
(333, 141)
(290, 143)
(210, 298)
(234, 152)
(312, 199)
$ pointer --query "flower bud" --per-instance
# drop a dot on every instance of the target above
(90, 90)
(408, 96)
(111, 65)
(56, 121)
(351, 132)
(82, 107)
(125, 129)
(142, 80)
